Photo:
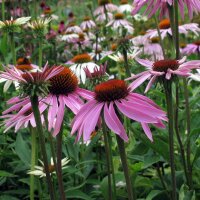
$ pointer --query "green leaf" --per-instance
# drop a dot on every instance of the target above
(77, 194)
(22, 149)
(6, 174)
(7, 197)
(153, 194)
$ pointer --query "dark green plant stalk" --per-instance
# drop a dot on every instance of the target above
(39, 128)
(112, 166)
(59, 164)
(33, 161)
(169, 100)
(40, 54)
(182, 150)
(126, 65)
(186, 96)
(160, 38)
(3, 10)
(12, 43)
(107, 159)
(124, 162)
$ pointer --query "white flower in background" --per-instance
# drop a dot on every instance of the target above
(79, 63)
(40, 171)
(120, 184)
(139, 17)
(196, 76)
(73, 28)
(125, 7)
(118, 57)
(11, 25)
(69, 37)
(39, 24)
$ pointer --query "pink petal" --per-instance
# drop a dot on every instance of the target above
(147, 131)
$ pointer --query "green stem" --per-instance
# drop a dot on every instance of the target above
(188, 148)
(168, 92)
(33, 161)
(37, 116)
(182, 150)
(3, 10)
(107, 160)
(186, 96)
(13, 48)
(40, 54)
(160, 38)
(124, 162)
(59, 165)
(112, 166)
(126, 65)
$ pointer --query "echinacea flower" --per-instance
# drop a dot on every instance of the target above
(152, 6)
(87, 23)
(40, 170)
(105, 6)
(165, 29)
(125, 7)
(110, 98)
(20, 114)
(73, 28)
(13, 24)
(120, 22)
(63, 93)
(79, 63)
(23, 64)
(162, 68)
(97, 73)
(31, 82)
(191, 48)
(39, 25)
(102, 17)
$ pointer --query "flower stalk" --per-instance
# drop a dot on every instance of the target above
(59, 165)
(40, 54)
(12, 43)
(124, 162)
(3, 10)
(37, 116)
(186, 96)
(33, 161)
(107, 159)
(169, 100)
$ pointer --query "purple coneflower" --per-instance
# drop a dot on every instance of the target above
(191, 48)
(105, 6)
(125, 7)
(87, 23)
(162, 68)
(120, 22)
(162, 5)
(110, 98)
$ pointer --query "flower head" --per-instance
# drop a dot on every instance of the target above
(110, 98)
(79, 63)
(31, 83)
(40, 170)
(165, 69)
(12, 25)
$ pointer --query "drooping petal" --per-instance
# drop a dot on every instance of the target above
(147, 131)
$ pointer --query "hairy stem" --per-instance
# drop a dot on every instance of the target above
(168, 92)
(124, 162)
(12, 42)
(39, 128)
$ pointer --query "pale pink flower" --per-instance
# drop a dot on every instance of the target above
(165, 29)
(72, 28)
(87, 23)
(125, 7)
(102, 17)
(162, 68)
(191, 48)
(120, 22)
(109, 7)
(110, 98)
(152, 6)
